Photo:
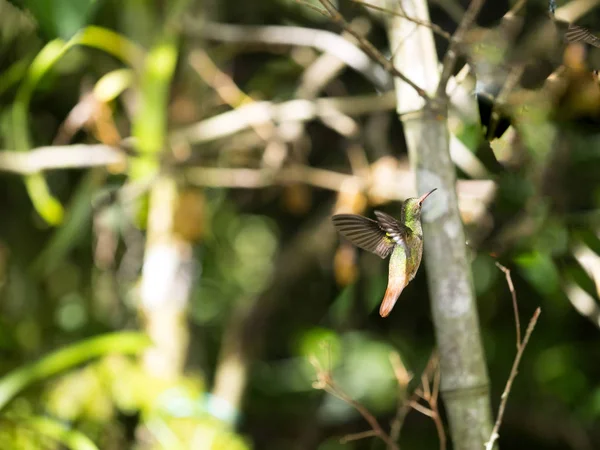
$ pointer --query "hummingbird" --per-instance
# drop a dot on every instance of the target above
(402, 238)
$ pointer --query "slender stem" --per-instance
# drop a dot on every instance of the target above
(422, 409)
(370, 49)
(365, 413)
(358, 436)
(67, 358)
(513, 374)
(434, 27)
(403, 406)
(513, 293)
(452, 54)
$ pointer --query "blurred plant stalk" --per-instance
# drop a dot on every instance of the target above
(166, 280)
(166, 284)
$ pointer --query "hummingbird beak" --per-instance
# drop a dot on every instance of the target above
(424, 196)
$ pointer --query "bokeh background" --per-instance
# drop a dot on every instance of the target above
(216, 139)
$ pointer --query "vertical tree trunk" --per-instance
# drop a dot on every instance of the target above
(464, 384)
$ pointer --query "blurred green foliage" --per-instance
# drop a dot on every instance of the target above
(69, 283)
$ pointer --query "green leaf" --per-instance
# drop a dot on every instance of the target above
(112, 43)
(540, 271)
(67, 358)
(69, 437)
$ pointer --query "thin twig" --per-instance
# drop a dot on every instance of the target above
(260, 178)
(425, 385)
(326, 383)
(403, 377)
(430, 395)
(511, 81)
(432, 26)
(513, 373)
(433, 403)
(325, 41)
(422, 409)
(513, 293)
(452, 54)
(437, 376)
(427, 391)
(401, 413)
(358, 436)
(370, 49)
(226, 88)
(253, 114)
(320, 72)
(365, 413)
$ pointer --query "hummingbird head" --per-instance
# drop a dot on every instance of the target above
(412, 206)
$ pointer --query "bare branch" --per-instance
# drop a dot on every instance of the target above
(326, 41)
(425, 392)
(422, 409)
(513, 374)
(336, 17)
(375, 187)
(401, 413)
(226, 88)
(511, 81)
(326, 383)
(257, 113)
(327, 66)
(434, 27)
(452, 54)
(430, 395)
(358, 436)
(403, 377)
(513, 293)
(259, 178)
(365, 413)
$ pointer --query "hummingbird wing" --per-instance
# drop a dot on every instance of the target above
(394, 230)
(364, 233)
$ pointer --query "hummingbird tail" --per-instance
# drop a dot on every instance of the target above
(389, 299)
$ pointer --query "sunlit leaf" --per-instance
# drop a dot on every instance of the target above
(69, 437)
(67, 358)
(541, 272)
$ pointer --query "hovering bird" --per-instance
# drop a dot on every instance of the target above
(403, 239)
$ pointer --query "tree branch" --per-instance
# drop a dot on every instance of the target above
(375, 54)
(427, 24)
(513, 374)
(326, 383)
(513, 294)
(258, 113)
(452, 54)
(323, 40)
